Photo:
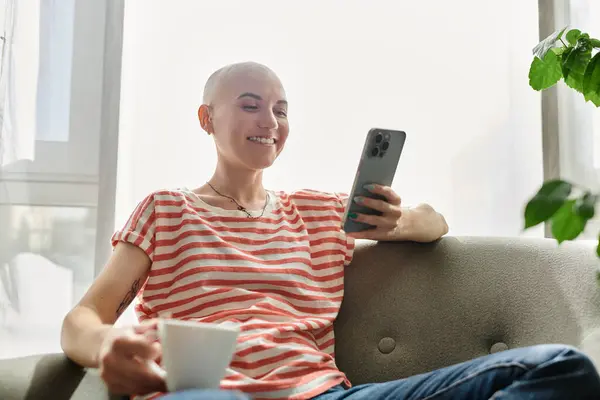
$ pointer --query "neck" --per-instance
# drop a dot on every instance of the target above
(244, 185)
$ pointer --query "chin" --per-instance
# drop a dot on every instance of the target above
(259, 164)
(258, 160)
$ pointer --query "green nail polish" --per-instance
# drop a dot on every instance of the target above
(370, 187)
(352, 215)
(358, 200)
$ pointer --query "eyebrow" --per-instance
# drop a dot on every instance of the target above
(257, 97)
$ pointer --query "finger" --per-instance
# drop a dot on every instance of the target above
(117, 377)
(131, 375)
(150, 334)
(146, 326)
(156, 369)
(386, 191)
(149, 378)
(155, 353)
(117, 384)
(135, 345)
(129, 385)
(379, 205)
(375, 220)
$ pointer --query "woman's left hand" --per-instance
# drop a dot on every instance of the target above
(385, 225)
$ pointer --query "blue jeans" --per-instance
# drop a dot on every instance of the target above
(540, 372)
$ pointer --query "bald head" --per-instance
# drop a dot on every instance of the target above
(217, 82)
(242, 101)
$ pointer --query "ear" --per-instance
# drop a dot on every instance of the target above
(205, 119)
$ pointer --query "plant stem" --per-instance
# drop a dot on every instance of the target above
(564, 44)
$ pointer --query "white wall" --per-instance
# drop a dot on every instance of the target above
(453, 75)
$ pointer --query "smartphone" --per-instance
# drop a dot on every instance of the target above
(378, 164)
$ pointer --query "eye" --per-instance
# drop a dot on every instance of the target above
(250, 108)
(281, 113)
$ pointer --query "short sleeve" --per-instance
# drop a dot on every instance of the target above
(139, 228)
(349, 251)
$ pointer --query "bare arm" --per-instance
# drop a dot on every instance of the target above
(420, 224)
(87, 324)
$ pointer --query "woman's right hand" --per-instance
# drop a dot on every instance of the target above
(125, 358)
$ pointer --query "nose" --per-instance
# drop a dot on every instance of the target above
(267, 120)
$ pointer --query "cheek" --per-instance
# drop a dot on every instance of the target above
(283, 133)
(230, 133)
(231, 123)
(281, 144)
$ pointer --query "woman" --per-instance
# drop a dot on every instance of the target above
(273, 263)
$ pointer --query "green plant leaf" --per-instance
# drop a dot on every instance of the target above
(591, 81)
(574, 63)
(545, 73)
(595, 43)
(546, 202)
(598, 253)
(542, 47)
(573, 35)
(585, 206)
(566, 224)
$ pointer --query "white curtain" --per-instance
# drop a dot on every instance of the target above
(579, 122)
(18, 80)
(453, 75)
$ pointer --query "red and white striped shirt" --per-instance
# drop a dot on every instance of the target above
(280, 278)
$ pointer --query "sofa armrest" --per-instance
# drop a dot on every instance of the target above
(49, 376)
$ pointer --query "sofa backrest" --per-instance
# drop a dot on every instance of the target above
(409, 308)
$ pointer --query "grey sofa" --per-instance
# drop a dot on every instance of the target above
(410, 308)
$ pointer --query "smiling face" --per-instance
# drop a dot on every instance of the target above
(245, 110)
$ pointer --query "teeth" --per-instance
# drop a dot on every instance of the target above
(262, 140)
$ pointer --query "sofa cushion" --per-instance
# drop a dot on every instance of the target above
(410, 308)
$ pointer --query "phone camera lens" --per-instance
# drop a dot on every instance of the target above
(378, 138)
(385, 145)
(374, 152)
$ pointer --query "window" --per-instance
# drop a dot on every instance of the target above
(47, 255)
(49, 196)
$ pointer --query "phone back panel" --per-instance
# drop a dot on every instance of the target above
(377, 165)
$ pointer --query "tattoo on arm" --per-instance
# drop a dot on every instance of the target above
(135, 287)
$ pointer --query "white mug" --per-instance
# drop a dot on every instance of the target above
(195, 355)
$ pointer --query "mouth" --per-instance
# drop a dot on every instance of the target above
(264, 140)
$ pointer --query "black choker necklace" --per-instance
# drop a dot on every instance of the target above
(241, 207)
